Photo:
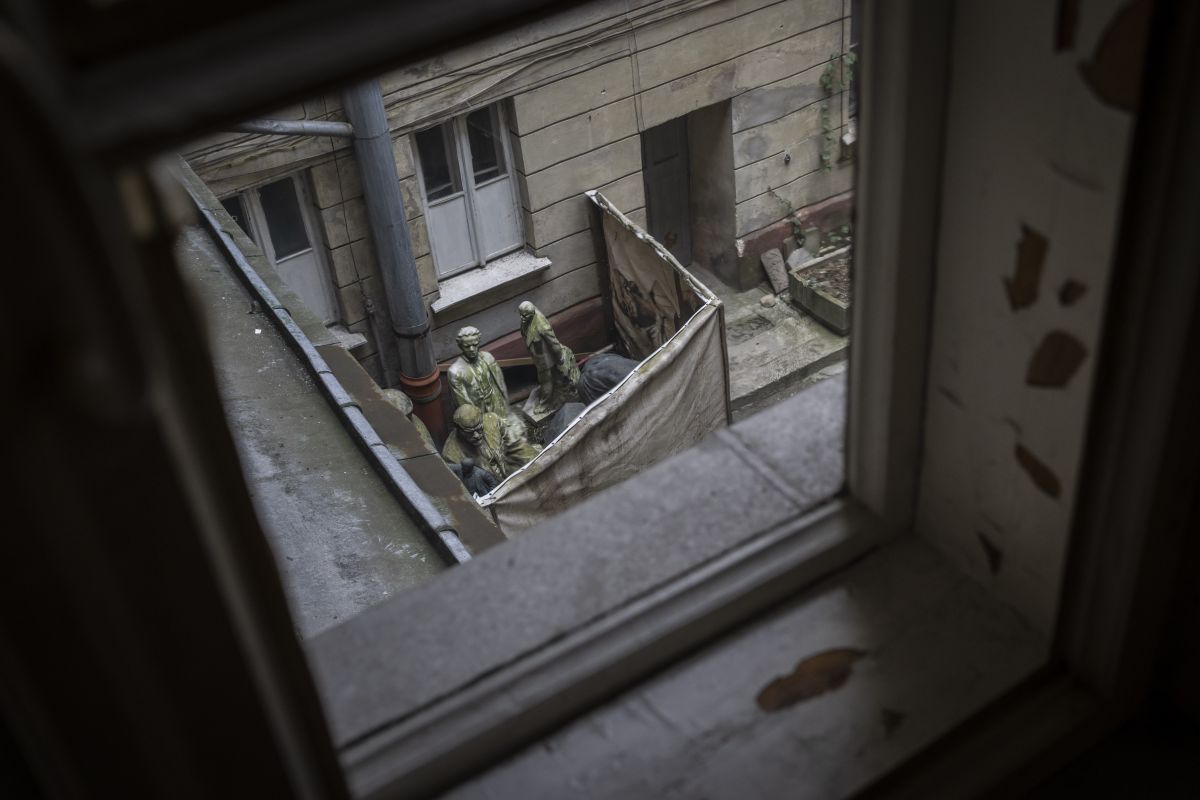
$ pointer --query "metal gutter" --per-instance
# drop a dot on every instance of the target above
(296, 127)
(432, 523)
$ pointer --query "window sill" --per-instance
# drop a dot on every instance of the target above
(469, 291)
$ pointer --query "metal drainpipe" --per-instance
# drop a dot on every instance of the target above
(419, 376)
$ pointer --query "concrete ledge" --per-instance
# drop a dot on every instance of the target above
(512, 600)
(472, 290)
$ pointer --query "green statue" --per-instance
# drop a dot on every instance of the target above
(475, 377)
(557, 371)
(485, 439)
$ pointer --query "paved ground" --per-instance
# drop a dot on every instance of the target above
(341, 540)
(775, 351)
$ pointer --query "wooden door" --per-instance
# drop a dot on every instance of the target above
(665, 173)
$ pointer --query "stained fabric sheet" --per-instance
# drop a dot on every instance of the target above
(678, 394)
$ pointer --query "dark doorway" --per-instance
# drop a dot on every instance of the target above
(665, 172)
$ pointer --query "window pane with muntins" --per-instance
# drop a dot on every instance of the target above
(284, 220)
(487, 155)
(439, 167)
(238, 211)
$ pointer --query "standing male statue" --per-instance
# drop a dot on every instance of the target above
(556, 367)
(475, 377)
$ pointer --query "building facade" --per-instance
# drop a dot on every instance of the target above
(707, 121)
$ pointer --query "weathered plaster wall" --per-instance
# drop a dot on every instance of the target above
(1034, 172)
(580, 88)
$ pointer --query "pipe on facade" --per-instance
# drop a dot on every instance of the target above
(393, 249)
(299, 127)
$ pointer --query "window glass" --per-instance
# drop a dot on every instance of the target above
(439, 167)
(238, 211)
(284, 221)
(483, 136)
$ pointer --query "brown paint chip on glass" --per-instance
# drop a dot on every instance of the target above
(1022, 288)
(813, 676)
(1070, 292)
(1042, 476)
(1055, 361)
(995, 556)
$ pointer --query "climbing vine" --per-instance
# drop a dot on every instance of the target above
(835, 77)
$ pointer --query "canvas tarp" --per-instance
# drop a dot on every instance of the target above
(678, 394)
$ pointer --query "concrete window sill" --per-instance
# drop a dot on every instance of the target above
(444, 679)
(474, 288)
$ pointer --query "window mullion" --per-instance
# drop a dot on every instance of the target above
(463, 147)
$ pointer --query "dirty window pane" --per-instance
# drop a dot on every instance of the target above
(238, 211)
(439, 168)
(284, 220)
(487, 154)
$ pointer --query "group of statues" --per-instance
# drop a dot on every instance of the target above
(490, 439)
(488, 434)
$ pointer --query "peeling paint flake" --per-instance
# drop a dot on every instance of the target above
(1042, 476)
(1022, 288)
(1114, 73)
(1055, 361)
(1070, 292)
(813, 676)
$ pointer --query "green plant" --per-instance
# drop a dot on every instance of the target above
(833, 80)
(790, 212)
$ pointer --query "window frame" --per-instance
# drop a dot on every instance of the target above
(457, 126)
(261, 234)
(135, 116)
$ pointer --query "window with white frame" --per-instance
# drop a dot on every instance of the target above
(470, 198)
(275, 216)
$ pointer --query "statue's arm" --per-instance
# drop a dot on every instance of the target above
(458, 389)
(499, 375)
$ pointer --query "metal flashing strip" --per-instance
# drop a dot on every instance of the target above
(432, 523)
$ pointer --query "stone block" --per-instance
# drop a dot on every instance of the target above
(573, 95)
(326, 188)
(728, 40)
(798, 258)
(349, 176)
(410, 192)
(427, 274)
(759, 212)
(333, 223)
(789, 247)
(357, 224)
(351, 300)
(364, 258)
(571, 215)
(588, 171)
(785, 135)
(775, 100)
(576, 135)
(419, 236)
(774, 62)
(403, 153)
(772, 263)
(344, 272)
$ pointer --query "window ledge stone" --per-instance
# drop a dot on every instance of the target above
(459, 293)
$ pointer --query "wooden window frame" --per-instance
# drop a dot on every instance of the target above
(1140, 432)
